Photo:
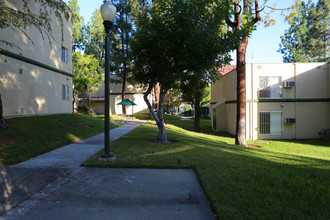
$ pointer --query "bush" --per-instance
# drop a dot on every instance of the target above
(187, 108)
(204, 111)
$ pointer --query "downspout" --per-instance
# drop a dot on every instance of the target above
(295, 97)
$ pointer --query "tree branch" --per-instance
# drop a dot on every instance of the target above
(257, 15)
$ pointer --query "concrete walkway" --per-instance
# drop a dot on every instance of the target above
(72, 155)
(54, 186)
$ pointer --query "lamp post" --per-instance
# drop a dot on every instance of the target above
(108, 12)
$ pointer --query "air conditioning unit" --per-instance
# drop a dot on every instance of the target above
(289, 84)
(290, 120)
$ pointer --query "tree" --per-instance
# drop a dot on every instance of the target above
(22, 18)
(86, 75)
(77, 25)
(176, 41)
(173, 99)
(245, 16)
(85, 68)
(95, 35)
(194, 91)
(121, 50)
(245, 19)
(307, 39)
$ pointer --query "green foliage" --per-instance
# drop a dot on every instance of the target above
(188, 93)
(204, 111)
(206, 95)
(307, 39)
(187, 108)
(85, 67)
(20, 15)
(176, 40)
(172, 99)
(179, 41)
(86, 74)
(122, 30)
(94, 37)
(77, 25)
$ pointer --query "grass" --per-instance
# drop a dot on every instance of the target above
(279, 180)
(28, 137)
(205, 124)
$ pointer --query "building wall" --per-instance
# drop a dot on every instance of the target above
(32, 73)
(133, 93)
(222, 91)
(308, 102)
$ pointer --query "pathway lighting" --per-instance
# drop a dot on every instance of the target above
(108, 12)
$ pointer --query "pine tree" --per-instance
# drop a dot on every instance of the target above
(94, 37)
(307, 39)
(121, 50)
(77, 25)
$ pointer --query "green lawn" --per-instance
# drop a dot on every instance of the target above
(28, 137)
(279, 180)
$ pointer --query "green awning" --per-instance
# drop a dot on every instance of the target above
(126, 102)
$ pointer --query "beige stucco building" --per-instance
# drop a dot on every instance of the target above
(36, 77)
(283, 101)
(133, 93)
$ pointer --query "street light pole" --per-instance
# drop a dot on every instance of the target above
(108, 12)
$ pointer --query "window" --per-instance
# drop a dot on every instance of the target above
(270, 87)
(65, 92)
(64, 54)
(270, 123)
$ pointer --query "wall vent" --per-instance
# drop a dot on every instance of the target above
(289, 84)
(290, 120)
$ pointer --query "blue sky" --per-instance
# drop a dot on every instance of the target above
(263, 43)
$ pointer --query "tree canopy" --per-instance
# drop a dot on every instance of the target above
(176, 41)
(307, 39)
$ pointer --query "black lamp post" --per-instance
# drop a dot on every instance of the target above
(108, 12)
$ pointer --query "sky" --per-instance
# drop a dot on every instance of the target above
(263, 43)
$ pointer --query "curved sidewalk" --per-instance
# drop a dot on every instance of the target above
(73, 155)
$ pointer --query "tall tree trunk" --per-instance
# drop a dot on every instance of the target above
(156, 95)
(124, 70)
(3, 124)
(241, 66)
(123, 93)
(162, 137)
(241, 95)
(196, 119)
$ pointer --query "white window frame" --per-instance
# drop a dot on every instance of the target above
(65, 92)
(270, 95)
(270, 123)
(64, 54)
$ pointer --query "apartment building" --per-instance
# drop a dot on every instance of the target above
(36, 76)
(283, 101)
